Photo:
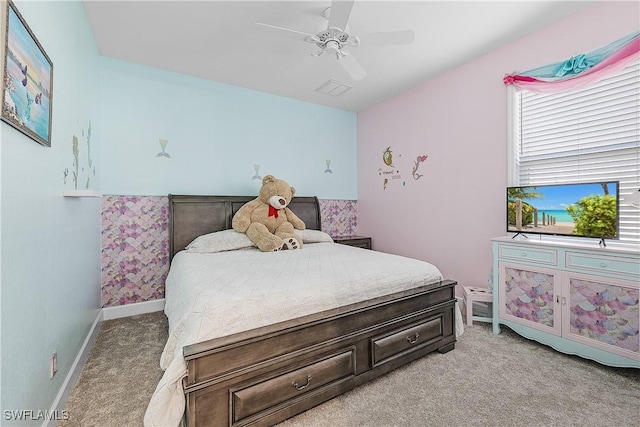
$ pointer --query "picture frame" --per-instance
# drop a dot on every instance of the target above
(27, 79)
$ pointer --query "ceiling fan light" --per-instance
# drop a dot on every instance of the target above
(332, 46)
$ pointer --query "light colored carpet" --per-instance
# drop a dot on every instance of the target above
(487, 380)
(120, 375)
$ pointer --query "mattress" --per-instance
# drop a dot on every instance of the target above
(210, 295)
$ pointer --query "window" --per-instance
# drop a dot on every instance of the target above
(590, 134)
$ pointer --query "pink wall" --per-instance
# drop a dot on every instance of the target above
(449, 215)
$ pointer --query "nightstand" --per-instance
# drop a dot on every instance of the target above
(358, 241)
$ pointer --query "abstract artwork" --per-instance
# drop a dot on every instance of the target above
(27, 84)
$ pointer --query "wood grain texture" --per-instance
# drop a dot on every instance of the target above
(262, 376)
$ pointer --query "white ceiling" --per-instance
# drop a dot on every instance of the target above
(218, 40)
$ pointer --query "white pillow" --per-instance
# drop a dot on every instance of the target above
(314, 236)
(225, 240)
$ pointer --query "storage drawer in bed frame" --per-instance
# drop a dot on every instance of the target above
(320, 373)
(266, 375)
(407, 339)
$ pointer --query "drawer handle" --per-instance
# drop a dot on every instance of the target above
(301, 387)
(603, 264)
(414, 339)
(523, 254)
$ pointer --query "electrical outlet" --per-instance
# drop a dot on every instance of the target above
(53, 364)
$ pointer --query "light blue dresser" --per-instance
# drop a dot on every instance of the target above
(577, 299)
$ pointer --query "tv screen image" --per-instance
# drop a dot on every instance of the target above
(580, 210)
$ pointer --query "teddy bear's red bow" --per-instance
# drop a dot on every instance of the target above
(273, 212)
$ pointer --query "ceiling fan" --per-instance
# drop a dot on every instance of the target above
(332, 36)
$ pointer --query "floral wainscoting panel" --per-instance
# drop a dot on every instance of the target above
(135, 249)
(338, 217)
(135, 244)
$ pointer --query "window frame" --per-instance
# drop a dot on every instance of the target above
(625, 239)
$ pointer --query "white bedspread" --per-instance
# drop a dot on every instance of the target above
(217, 294)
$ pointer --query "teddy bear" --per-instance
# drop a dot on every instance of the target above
(267, 220)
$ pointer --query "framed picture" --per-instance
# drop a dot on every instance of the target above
(27, 84)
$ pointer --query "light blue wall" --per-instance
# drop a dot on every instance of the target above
(118, 112)
(50, 277)
(216, 133)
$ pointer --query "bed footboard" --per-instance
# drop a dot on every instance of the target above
(263, 376)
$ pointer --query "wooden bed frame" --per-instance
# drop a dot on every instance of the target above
(265, 375)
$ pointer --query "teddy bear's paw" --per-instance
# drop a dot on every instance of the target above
(290, 243)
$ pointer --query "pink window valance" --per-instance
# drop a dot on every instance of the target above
(580, 70)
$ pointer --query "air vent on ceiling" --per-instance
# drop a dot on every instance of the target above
(333, 88)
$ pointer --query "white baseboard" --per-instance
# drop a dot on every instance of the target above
(76, 368)
(127, 310)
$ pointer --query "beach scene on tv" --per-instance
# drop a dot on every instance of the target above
(571, 209)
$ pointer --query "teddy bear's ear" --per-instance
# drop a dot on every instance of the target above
(293, 191)
(268, 178)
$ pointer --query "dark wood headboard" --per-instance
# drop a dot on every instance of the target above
(193, 216)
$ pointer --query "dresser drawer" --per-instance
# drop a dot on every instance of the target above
(540, 256)
(602, 263)
(258, 397)
(406, 339)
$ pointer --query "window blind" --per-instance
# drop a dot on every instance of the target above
(585, 135)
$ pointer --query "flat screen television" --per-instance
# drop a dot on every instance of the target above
(580, 210)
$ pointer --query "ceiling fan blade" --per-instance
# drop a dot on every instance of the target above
(339, 14)
(352, 66)
(287, 32)
(388, 38)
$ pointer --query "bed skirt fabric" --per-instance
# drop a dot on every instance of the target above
(212, 295)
